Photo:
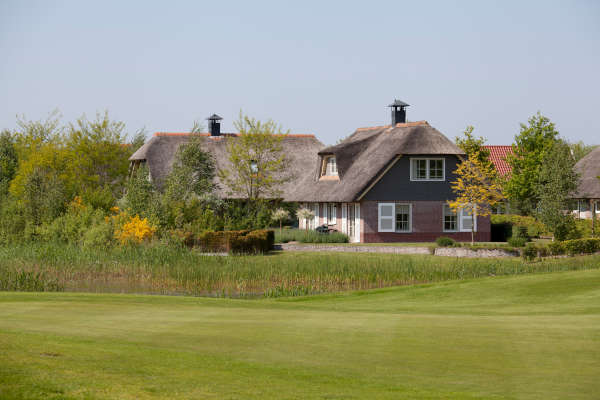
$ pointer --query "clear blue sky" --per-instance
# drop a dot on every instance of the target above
(315, 67)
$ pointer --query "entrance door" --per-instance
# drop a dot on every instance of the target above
(351, 222)
(356, 219)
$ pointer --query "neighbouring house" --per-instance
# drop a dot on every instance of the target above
(159, 154)
(498, 157)
(389, 184)
(587, 196)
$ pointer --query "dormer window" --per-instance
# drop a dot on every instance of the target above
(329, 166)
(427, 169)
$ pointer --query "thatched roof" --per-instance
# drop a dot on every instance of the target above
(589, 169)
(159, 154)
(365, 154)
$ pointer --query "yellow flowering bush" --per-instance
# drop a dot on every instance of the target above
(136, 231)
(131, 230)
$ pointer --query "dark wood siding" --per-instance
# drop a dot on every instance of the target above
(396, 185)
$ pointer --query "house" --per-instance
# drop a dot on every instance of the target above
(587, 195)
(498, 156)
(389, 184)
(381, 184)
(159, 154)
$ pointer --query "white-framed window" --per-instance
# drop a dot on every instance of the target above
(403, 217)
(597, 207)
(394, 217)
(461, 221)
(329, 166)
(450, 219)
(386, 217)
(331, 213)
(427, 169)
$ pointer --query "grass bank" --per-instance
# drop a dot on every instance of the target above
(526, 337)
(164, 270)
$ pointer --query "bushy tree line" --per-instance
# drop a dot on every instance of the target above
(543, 176)
(73, 183)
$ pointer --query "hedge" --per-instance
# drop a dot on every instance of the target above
(236, 242)
(574, 247)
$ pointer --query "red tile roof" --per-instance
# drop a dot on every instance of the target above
(498, 158)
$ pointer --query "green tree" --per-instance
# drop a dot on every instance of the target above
(475, 189)
(43, 196)
(138, 140)
(580, 150)
(475, 145)
(557, 179)
(192, 174)
(8, 160)
(531, 144)
(139, 192)
(259, 165)
(99, 158)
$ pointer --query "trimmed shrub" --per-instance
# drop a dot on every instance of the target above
(444, 241)
(581, 246)
(517, 242)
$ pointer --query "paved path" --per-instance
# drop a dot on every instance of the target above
(353, 249)
(439, 251)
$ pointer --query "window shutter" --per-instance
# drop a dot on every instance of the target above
(316, 214)
(387, 217)
(344, 218)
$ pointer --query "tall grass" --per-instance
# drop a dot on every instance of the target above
(168, 270)
(310, 236)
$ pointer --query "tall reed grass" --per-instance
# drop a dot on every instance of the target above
(179, 271)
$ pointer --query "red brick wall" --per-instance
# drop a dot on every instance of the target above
(426, 225)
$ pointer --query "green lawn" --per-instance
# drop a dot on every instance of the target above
(519, 337)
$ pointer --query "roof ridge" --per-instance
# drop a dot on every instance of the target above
(293, 135)
(413, 123)
(368, 128)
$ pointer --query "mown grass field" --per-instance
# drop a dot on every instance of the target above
(164, 270)
(519, 337)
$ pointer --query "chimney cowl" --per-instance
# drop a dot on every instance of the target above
(398, 111)
(214, 125)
